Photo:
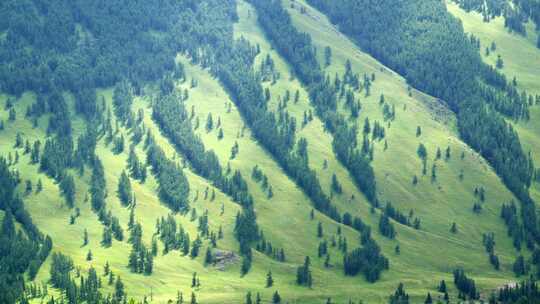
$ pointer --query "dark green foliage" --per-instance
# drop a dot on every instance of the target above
(303, 274)
(367, 260)
(122, 100)
(276, 298)
(46, 48)
(137, 169)
(269, 280)
(97, 186)
(515, 229)
(336, 186)
(246, 261)
(266, 247)
(524, 292)
(67, 187)
(173, 185)
(399, 296)
(124, 191)
(386, 227)
(489, 243)
(465, 285)
(172, 235)
(519, 267)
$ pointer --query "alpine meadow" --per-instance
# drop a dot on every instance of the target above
(269, 151)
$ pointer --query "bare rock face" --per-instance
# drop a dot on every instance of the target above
(223, 258)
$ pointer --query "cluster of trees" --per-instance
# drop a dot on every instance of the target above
(465, 285)
(509, 213)
(395, 214)
(61, 278)
(78, 288)
(175, 237)
(524, 292)
(266, 247)
(389, 31)
(367, 260)
(21, 250)
(488, 239)
(141, 260)
(399, 296)
(303, 273)
(173, 185)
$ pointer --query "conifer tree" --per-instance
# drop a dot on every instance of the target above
(269, 279)
(124, 191)
(276, 298)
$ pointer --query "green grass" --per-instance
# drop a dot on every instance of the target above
(427, 255)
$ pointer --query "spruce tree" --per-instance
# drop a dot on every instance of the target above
(269, 279)
(248, 298)
(428, 300)
(124, 191)
(276, 298)
(119, 292)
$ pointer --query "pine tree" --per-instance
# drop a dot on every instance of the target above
(124, 191)
(258, 299)
(106, 269)
(327, 261)
(269, 279)
(208, 259)
(500, 62)
(119, 292)
(319, 230)
(453, 228)
(85, 237)
(193, 298)
(209, 123)
(428, 300)
(442, 287)
(276, 298)
(303, 274)
(248, 298)
(89, 255)
(107, 237)
(39, 186)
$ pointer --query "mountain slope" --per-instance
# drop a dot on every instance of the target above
(192, 78)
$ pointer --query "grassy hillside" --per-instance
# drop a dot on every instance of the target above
(521, 60)
(427, 255)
